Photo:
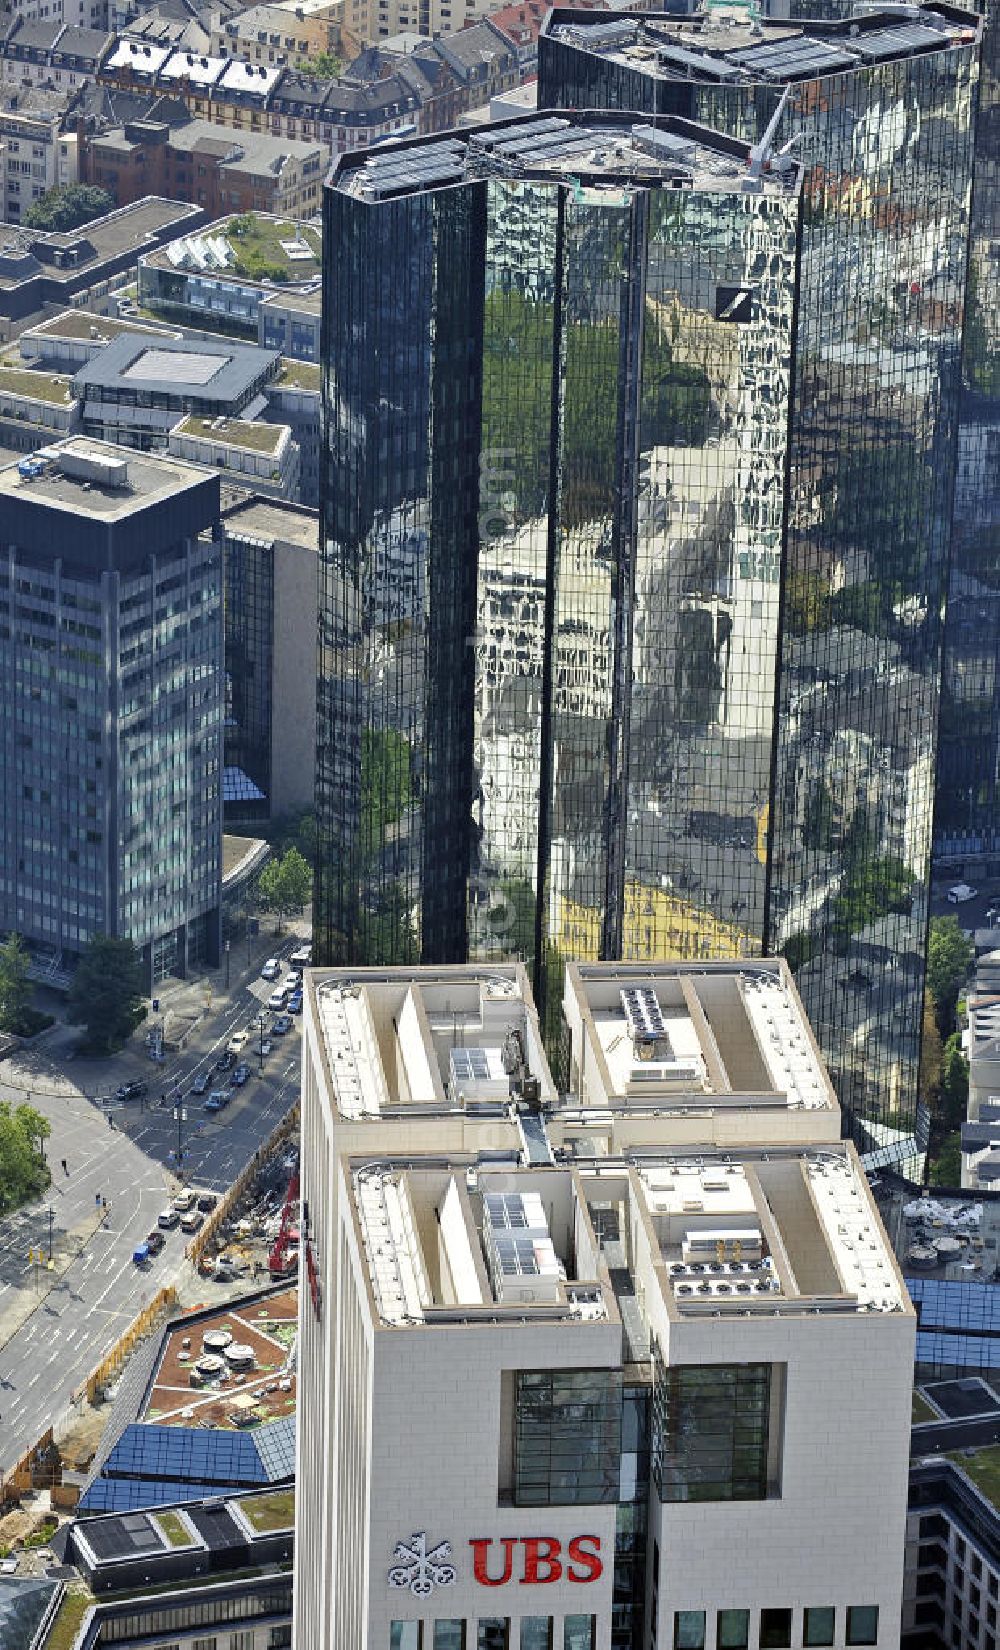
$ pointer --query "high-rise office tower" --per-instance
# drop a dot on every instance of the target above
(560, 356)
(622, 1366)
(111, 650)
(872, 467)
(672, 484)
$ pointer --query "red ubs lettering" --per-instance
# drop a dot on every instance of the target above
(542, 1560)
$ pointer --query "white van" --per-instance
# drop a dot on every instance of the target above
(961, 894)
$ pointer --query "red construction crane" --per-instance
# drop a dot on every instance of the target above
(278, 1261)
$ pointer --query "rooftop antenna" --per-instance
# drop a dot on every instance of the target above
(760, 154)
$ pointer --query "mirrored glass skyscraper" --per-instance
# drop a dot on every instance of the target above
(637, 514)
(879, 110)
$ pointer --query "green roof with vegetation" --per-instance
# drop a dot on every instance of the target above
(983, 1467)
(265, 1513)
(298, 375)
(42, 386)
(260, 256)
(172, 1525)
(68, 1619)
(233, 432)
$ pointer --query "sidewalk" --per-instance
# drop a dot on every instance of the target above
(50, 1064)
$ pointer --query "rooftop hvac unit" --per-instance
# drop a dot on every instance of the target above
(95, 467)
(676, 1073)
(522, 1261)
(728, 1243)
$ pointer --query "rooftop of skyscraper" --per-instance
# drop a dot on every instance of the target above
(579, 149)
(730, 46)
(89, 478)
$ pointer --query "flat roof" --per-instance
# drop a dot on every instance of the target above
(80, 324)
(151, 479)
(724, 46)
(272, 521)
(251, 436)
(187, 1391)
(128, 229)
(666, 1035)
(390, 1038)
(580, 149)
(215, 371)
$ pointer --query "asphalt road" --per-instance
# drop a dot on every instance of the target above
(132, 1166)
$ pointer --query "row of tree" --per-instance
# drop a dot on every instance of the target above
(944, 1069)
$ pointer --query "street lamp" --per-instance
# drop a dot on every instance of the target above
(227, 965)
(180, 1117)
(262, 1021)
(51, 1217)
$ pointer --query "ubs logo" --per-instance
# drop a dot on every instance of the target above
(526, 1560)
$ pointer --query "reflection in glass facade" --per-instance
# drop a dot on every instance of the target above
(556, 432)
(824, 853)
(567, 1437)
(710, 1431)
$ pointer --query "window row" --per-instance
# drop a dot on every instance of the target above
(496, 1633)
(819, 1627)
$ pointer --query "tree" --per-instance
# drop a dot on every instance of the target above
(949, 958)
(946, 1169)
(931, 1058)
(15, 986)
(286, 884)
(324, 66)
(106, 995)
(954, 1083)
(67, 206)
(22, 1169)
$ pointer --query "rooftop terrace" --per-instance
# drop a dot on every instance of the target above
(230, 1369)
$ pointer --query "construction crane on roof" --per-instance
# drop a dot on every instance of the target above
(280, 1263)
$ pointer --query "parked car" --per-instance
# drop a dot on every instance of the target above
(155, 1241)
(168, 1219)
(130, 1091)
(241, 1074)
(192, 1221)
(201, 1082)
(271, 969)
(207, 1202)
(282, 1024)
(961, 894)
(277, 998)
(225, 1061)
(295, 1003)
(238, 1042)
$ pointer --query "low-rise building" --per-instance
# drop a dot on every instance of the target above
(625, 1316)
(277, 34)
(247, 453)
(135, 392)
(293, 398)
(37, 152)
(38, 268)
(64, 54)
(222, 275)
(270, 553)
(290, 322)
(64, 342)
(199, 161)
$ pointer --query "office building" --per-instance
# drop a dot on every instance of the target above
(559, 1354)
(501, 705)
(270, 552)
(136, 391)
(692, 699)
(111, 649)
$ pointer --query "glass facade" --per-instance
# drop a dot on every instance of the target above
(711, 1431)
(567, 1437)
(249, 613)
(110, 747)
(830, 861)
(550, 611)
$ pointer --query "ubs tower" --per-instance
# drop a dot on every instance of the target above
(879, 111)
(637, 516)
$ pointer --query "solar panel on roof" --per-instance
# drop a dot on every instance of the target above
(897, 42)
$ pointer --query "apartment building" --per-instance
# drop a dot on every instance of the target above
(560, 1351)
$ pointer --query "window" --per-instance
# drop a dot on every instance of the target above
(689, 1630)
(567, 1437)
(862, 1624)
(775, 1629)
(492, 1633)
(579, 1633)
(732, 1630)
(404, 1635)
(713, 1427)
(449, 1635)
(818, 1626)
(536, 1633)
